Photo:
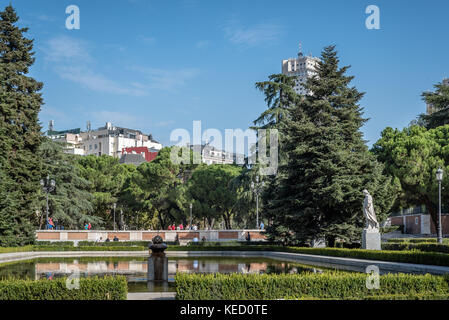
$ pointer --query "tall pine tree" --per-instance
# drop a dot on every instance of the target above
(327, 164)
(439, 101)
(20, 133)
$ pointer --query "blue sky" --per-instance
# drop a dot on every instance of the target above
(159, 65)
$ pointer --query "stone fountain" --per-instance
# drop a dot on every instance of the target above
(157, 264)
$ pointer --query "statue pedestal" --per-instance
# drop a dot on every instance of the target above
(158, 267)
(371, 240)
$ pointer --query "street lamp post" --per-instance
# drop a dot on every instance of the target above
(115, 206)
(191, 206)
(257, 189)
(48, 185)
(439, 179)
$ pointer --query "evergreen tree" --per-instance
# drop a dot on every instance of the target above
(327, 164)
(20, 135)
(70, 204)
(439, 101)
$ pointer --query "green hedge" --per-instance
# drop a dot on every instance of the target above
(427, 247)
(310, 285)
(417, 240)
(16, 249)
(119, 243)
(54, 243)
(229, 243)
(88, 248)
(107, 288)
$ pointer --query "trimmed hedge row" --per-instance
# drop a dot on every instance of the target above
(107, 288)
(15, 249)
(416, 240)
(230, 243)
(119, 243)
(427, 247)
(54, 243)
(319, 286)
(88, 248)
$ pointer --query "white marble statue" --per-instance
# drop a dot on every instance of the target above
(368, 209)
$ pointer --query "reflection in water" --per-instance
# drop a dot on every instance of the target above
(136, 269)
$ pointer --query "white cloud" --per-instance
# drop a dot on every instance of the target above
(64, 48)
(72, 61)
(146, 39)
(251, 36)
(202, 44)
(167, 80)
(98, 82)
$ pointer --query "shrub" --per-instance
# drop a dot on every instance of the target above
(426, 247)
(16, 249)
(107, 288)
(113, 244)
(88, 248)
(417, 240)
(54, 243)
(320, 286)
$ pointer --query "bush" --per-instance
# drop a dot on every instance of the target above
(54, 243)
(417, 240)
(310, 285)
(113, 244)
(426, 247)
(88, 248)
(16, 249)
(107, 288)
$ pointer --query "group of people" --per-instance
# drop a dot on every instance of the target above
(52, 225)
(87, 226)
(107, 239)
(181, 227)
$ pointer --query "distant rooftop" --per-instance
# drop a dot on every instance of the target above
(58, 133)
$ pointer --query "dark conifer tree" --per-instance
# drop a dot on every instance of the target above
(20, 133)
(327, 164)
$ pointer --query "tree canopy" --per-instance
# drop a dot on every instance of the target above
(412, 156)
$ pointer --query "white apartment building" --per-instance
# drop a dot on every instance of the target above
(211, 155)
(70, 138)
(111, 140)
(302, 67)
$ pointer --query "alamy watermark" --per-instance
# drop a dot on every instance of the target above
(373, 20)
(373, 279)
(73, 280)
(262, 146)
(73, 20)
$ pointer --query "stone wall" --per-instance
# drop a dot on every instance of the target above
(147, 235)
(420, 223)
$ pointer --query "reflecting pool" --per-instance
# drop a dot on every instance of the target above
(135, 269)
